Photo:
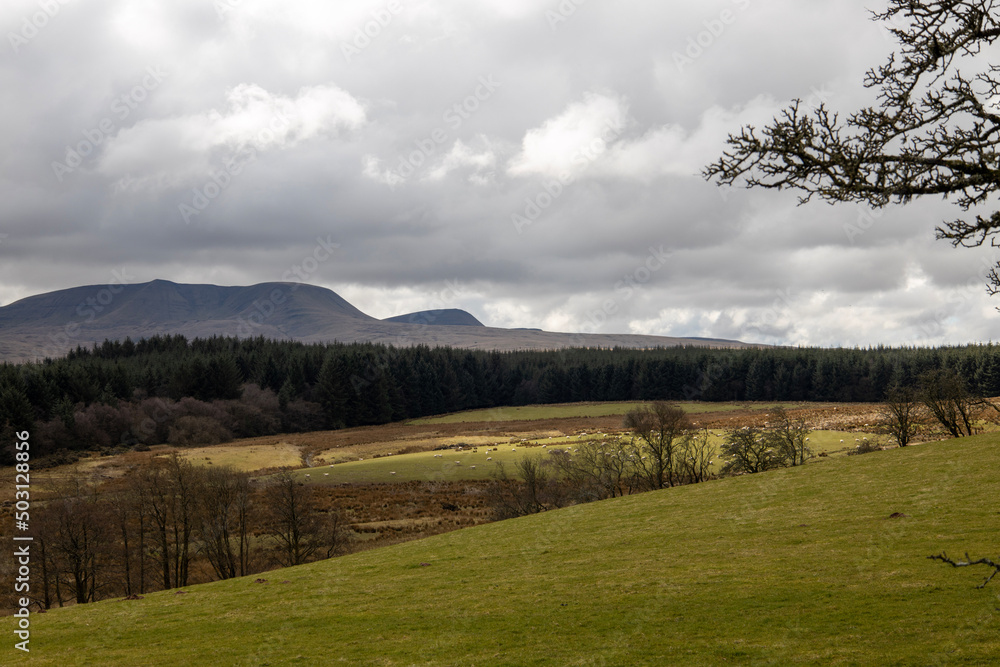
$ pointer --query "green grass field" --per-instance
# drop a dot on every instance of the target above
(797, 566)
(563, 411)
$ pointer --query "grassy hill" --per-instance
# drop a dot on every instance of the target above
(798, 566)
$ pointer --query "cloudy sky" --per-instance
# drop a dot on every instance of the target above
(535, 162)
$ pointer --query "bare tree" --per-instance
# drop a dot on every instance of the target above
(170, 506)
(788, 437)
(184, 480)
(658, 427)
(135, 497)
(125, 518)
(597, 469)
(899, 414)
(747, 450)
(944, 394)
(532, 492)
(78, 540)
(339, 536)
(934, 131)
(292, 519)
(696, 457)
(223, 501)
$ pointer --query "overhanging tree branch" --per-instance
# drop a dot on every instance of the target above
(933, 131)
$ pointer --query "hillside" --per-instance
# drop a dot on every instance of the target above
(447, 316)
(53, 323)
(797, 566)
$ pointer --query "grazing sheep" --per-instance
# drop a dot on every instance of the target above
(472, 467)
(392, 473)
(489, 458)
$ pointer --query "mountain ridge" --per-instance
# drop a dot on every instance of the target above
(52, 323)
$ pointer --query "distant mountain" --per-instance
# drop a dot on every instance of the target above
(452, 317)
(48, 325)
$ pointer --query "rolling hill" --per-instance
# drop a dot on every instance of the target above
(820, 564)
(48, 325)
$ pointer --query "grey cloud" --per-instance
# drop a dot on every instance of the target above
(852, 279)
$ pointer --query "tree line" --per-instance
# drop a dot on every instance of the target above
(168, 524)
(204, 391)
(662, 449)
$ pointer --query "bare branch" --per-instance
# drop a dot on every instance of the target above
(934, 130)
(968, 562)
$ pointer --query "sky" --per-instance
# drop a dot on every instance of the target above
(535, 162)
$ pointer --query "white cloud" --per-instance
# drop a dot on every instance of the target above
(167, 151)
(670, 150)
(570, 142)
(462, 156)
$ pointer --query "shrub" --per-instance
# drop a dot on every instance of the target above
(198, 431)
(866, 446)
(749, 450)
